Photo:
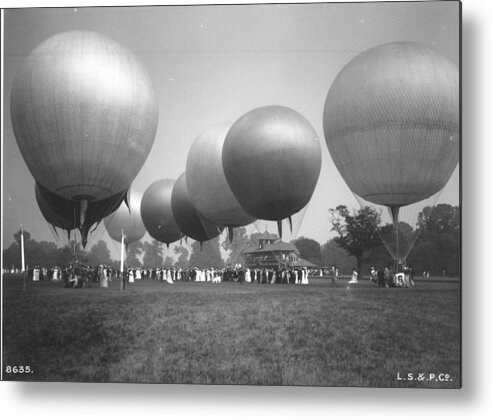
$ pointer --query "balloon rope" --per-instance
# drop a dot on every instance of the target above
(230, 234)
(394, 210)
(279, 228)
(126, 199)
(83, 209)
(290, 225)
(56, 232)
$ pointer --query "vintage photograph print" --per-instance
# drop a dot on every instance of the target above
(254, 194)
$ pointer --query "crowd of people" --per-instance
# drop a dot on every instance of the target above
(384, 276)
(81, 276)
(238, 273)
(75, 275)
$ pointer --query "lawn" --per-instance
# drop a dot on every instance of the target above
(228, 333)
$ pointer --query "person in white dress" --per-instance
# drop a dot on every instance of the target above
(305, 276)
(36, 274)
(354, 277)
(103, 279)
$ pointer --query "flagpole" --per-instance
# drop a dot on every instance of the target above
(122, 258)
(122, 252)
(23, 263)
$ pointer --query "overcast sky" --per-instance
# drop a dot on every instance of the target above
(212, 64)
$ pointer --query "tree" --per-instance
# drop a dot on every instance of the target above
(17, 237)
(440, 218)
(168, 261)
(153, 254)
(438, 246)
(208, 256)
(333, 255)
(237, 246)
(357, 231)
(133, 252)
(309, 249)
(44, 254)
(67, 253)
(183, 253)
(99, 254)
(12, 256)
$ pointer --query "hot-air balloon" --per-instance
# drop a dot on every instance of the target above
(66, 214)
(156, 212)
(391, 123)
(193, 224)
(207, 185)
(126, 219)
(84, 114)
(272, 160)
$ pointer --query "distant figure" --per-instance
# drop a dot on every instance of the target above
(381, 277)
(373, 275)
(304, 279)
(354, 277)
(387, 276)
(407, 277)
(73, 279)
(333, 276)
(248, 278)
(103, 279)
(124, 279)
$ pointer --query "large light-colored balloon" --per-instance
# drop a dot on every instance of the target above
(272, 160)
(193, 224)
(84, 114)
(391, 123)
(156, 212)
(126, 219)
(206, 182)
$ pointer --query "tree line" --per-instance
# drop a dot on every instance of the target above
(356, 245)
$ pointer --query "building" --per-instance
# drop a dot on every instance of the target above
(270, 252)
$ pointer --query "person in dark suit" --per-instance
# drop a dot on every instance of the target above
(333, 276)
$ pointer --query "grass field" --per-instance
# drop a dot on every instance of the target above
(234, 334)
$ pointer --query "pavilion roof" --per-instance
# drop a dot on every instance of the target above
(276, 246)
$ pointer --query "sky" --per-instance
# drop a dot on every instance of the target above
(210, 64)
